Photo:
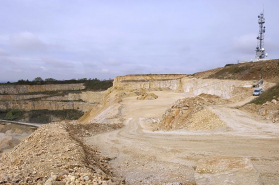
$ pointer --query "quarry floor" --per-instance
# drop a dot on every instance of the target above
(143, 156)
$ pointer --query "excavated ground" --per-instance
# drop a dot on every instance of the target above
(144, 156)
(120, 142)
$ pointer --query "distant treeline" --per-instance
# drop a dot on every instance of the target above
(91, 84)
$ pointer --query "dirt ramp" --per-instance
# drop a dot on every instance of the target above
(226, 170)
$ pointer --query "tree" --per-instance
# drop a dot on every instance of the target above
(50, 80)
(38, 79)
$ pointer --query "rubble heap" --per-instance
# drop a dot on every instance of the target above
(55, 153)
(268, 110)
(192, 114)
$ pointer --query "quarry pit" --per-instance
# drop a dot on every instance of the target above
(191, 131)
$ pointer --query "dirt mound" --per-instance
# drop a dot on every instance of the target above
(204, 120)
(245, 71)
(268, 111)
(55, 152)
(191, 114)
(147, 96)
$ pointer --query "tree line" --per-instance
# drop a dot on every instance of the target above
(90, 84)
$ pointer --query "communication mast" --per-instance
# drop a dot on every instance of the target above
(260, 52)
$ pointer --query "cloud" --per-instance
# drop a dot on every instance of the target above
(245, 44)
(3, 52)
(27, 41)
(57, 63)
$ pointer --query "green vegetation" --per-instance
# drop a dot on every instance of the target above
(90, 84)
(41, 116)
(236, 69)
(228, 65)
(11, 115)
(96, 84)
(267, 95)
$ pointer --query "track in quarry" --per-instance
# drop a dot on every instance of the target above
(144, 156)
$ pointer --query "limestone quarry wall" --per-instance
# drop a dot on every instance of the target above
(42, 105)
(87, 100)
(222, 88)
(160, 81)
(22, 89)
(13, 97)
(83, 101)
(88, 96)
(183, 83)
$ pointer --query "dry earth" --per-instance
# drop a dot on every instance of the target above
(143, 156)
(218, 143)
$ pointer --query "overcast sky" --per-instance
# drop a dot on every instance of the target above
(65, 39)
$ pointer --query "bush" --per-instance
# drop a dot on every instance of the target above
(267, 95)
(44, 116)
(10, 116)
(228, 65)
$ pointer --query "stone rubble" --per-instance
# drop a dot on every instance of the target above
(268, 111)
(56, 154)
(192, 114)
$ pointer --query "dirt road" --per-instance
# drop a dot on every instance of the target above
(146, 157)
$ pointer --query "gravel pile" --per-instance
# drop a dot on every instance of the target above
(190, 114)
(55, 154)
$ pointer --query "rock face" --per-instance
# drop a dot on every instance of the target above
(151, 82)
(22, 89)
(191, 114)
(226, 171)
(182, 83)
(223, 88)
(83, 101)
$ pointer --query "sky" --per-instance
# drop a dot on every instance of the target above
(66, 39)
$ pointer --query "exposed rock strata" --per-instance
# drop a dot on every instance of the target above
(182, 83)
(22, 89)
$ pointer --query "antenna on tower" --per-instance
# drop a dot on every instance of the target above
(260, 51)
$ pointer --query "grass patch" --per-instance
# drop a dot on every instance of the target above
(229, 65)
(267, 95)
(235, 69)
